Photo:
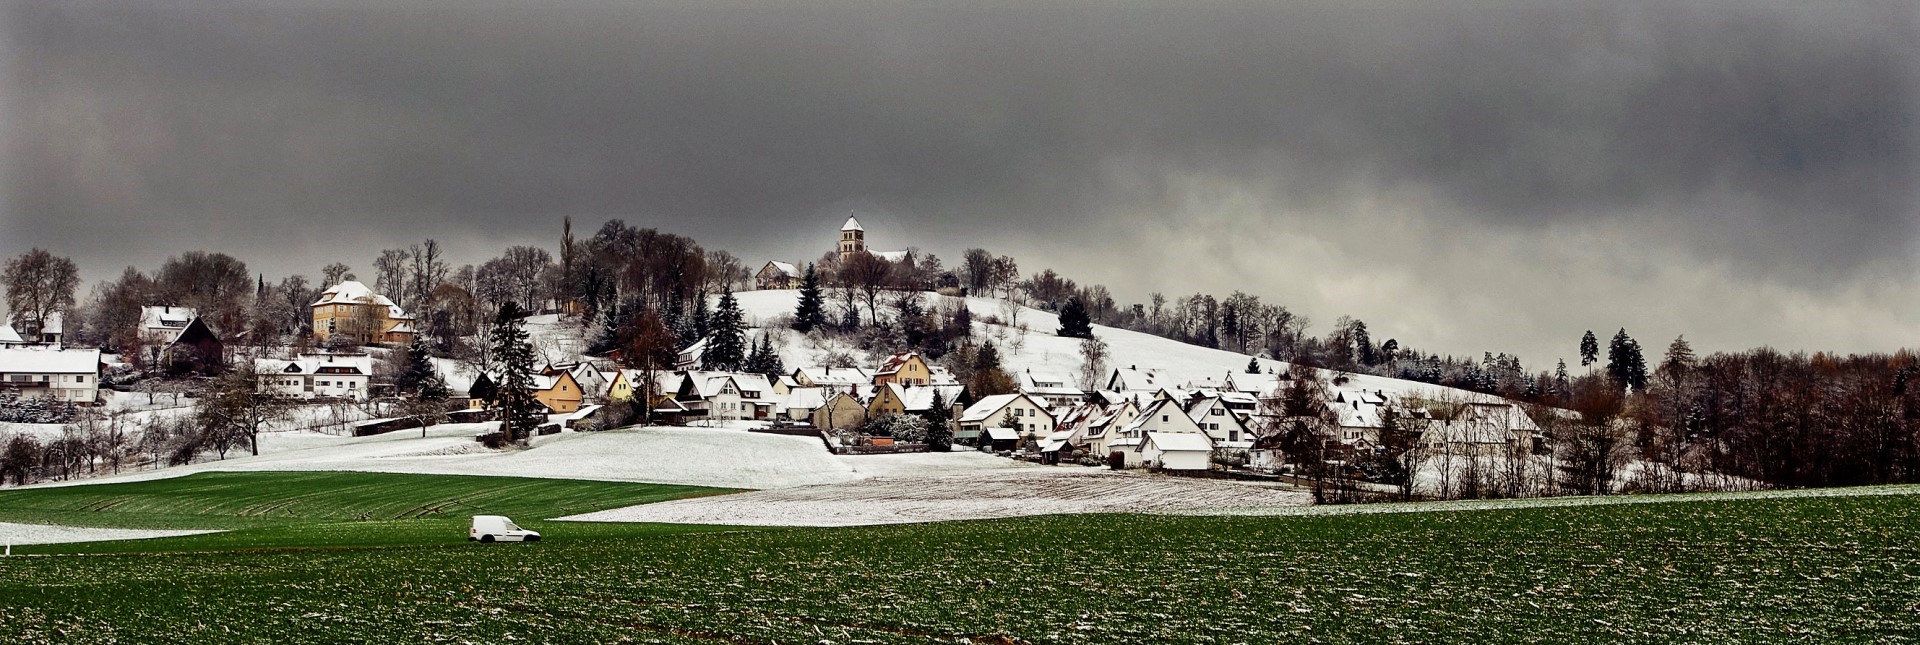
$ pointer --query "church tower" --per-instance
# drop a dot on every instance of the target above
(853, 239)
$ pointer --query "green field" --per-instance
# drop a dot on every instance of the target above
(1837, 569)
(321, 509)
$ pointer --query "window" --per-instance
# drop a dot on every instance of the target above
(1218, 412)
(79, 379)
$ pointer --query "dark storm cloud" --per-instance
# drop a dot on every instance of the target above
(1773, 138)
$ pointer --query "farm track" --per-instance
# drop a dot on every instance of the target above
(978, 495)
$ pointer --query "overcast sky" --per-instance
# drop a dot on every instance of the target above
(1464, 176)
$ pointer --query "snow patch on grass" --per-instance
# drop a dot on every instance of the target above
(12, 533)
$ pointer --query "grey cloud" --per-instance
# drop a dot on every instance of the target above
(1775, 138)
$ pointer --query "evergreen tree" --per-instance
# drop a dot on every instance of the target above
(419, 370)
(697, 325)
(1388, 349)
(811, 314)
(1074, 320)
(1560, 385)
(987, 358)
(1679, 359)
(1626, 366)
(939, 418)
(1229, 324)
(727, 344)
(1253, 366)
(1363, 344)
(1589, 349)
(1636, 366)
(764, 359)
(520, 411)
(912, 320)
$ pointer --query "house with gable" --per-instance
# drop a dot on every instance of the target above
(63, 375)
(1133, 379)
(896, 398)
(1027, 416)
(25, 331)
(1162, 416)
(316, 376)
(559, 392)
(352, 309)
(1176, 451)
(840, 411)
(1220, 422)
(778, 275)
(1054, 389)
(906, 369)
(726, 396)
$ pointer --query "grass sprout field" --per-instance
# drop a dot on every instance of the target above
(321, 509)
(1814, 569)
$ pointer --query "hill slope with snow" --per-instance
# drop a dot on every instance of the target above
(1040, 350)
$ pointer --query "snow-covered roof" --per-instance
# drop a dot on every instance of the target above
(1180, 441)
(353, 292)
(806, 398)
(1043, 383)
(987, 406)
(8, 335)
(897, 361)
(1002, 434)
(1132, 378)
(23, 360)
(309, 364)
(832, 376)
(785, 268)
(851, 225)
(165, 317)
(920, 398)
(891, 256)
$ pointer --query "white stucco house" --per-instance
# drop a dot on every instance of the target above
(1024, 414)
(70, 375)
(313, 376)
(1176, 450)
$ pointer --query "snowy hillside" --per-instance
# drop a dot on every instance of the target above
(1040, 350)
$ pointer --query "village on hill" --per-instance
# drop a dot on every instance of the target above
(867, 353)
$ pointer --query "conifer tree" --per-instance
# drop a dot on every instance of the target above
(1074, 320)
(1253, 366)
(939, 432)
(520, 411)
(1589, 349)
(1363, 344)
(811, 314)
(727, 344)
(1560, 385)
(419, 369)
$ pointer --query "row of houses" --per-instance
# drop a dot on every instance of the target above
(1142, 420)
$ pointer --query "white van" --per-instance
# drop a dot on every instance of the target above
(497, 528)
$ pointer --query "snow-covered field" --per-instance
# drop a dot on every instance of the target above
(11, 533)
(725, 457)
(911, 495)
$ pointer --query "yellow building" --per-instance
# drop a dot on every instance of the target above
(352, 309)
(560, 393)
(905, 369)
